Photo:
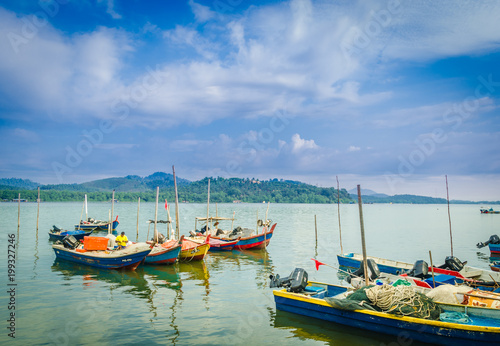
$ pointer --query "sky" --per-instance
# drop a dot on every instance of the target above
(392, 95)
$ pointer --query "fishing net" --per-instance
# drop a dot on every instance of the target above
(402, 300)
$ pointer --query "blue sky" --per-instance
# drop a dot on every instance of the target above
(390, 95)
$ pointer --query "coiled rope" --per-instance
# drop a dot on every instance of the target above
(401, 300)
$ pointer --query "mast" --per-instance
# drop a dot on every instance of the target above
(338, 212)
(112, 209)
(177, 232)
(156, 215)
(208, 206)
(86, 212)
(363, 245)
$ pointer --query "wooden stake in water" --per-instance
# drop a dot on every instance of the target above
(449, 217)
(208, 206)
(363, 245)
(156, 214)
(38, 209)
(112, 209)
(138, 209)
(432, 270)
(177, 228)
(316, 229)
(338, 212)
(18, 212)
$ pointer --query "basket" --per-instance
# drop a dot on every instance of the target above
(95, 243)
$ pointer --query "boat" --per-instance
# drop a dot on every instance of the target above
(489, 211)
(329, 302)
(453, 266)
(97, 225)
(128, 258)
(193, 251)
(58, 234)
(166, 253)
(493, 244)
(248, 239)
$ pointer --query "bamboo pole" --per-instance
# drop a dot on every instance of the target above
(338, 212)
(86, 209)
(171, 234)
(112, 209)
(266, 227)
(138, 209)
(432, 270)
(177, 228)
(363, 245)
(449, 217)
(38, 209)
(18, 212)
(316, 229)
(208, 206)
(156, 215)
(81, 215)
(232, 221)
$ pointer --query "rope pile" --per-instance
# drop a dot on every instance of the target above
(402, 300)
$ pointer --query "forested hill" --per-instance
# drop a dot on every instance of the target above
(222, 190)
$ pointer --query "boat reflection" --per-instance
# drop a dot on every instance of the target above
(133, 280)
(306, 328)
(260, 260)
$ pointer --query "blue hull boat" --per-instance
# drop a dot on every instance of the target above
(77, 234)
(97, 226)
(164, 255)
(128, 258)
(312, 303)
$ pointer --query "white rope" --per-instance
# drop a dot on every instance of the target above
(392, 299)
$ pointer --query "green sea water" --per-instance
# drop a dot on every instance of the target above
(225, 299)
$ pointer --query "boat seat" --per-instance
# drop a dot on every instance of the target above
(314, 291)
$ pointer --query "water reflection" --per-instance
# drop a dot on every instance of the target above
(306, 328)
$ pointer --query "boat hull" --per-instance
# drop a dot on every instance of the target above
(436, 332)
(219, 245)
(99, 227)
(127, 260)
(494, 249)
(169, 256)
(259, 241)
(196, 253)
(77, 234)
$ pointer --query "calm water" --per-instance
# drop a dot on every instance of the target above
(225, 299)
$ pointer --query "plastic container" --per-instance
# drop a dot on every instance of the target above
(95, 243)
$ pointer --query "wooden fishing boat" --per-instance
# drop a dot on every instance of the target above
(222, 245)
(489, 211)
(127, 258)
(193, 251)
(466, 273)
(166, 253)
(249, 240)
(97, 225)
(58, 234)
(494, 249)
(318, 300)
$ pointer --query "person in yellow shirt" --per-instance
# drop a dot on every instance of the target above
(121, 240)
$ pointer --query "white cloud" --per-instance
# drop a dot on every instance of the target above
(353, 148)
(299, 144)
(201, 13)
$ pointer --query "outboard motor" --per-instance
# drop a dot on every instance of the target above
(373, 271)
(454, 263)
(70, 242)
(295, 282)
(56, 229)
(494, 239)
(420, 269)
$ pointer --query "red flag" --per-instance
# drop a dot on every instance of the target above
(166, 205)
(318, 263)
